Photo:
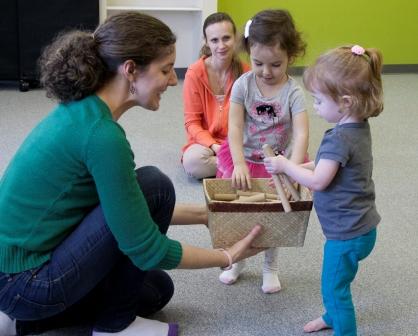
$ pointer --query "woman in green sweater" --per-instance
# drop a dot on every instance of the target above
(82, 232)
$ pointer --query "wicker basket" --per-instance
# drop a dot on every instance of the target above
(230, 221)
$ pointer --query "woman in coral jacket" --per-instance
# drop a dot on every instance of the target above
(206, 93)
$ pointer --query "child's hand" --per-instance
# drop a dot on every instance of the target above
(241, 178)
(276, 164)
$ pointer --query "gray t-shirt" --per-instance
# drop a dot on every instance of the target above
(346, 208)
(267, 120)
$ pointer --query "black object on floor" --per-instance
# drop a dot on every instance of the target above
(28, 26)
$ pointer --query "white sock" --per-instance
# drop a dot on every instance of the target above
(7, 325)
(230, 276)
(271, 282)
(142, 327)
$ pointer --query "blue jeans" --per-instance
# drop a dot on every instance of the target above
(341, 259)
(88, 279)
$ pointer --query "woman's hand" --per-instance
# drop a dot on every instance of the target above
(195, 257)
(243, 248)
(241, 178)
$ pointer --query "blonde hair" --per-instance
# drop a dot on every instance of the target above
(340, 72)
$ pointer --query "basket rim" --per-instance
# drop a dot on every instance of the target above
(225, 206)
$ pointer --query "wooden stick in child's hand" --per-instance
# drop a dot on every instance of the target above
(268, 151)
(289, 185)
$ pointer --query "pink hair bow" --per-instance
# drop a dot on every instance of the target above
(357, 50)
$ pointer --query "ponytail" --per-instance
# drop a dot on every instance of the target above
(71, 68)
(77, 64)
(375, 103)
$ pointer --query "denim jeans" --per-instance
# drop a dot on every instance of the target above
(88, 279)
(341, 261)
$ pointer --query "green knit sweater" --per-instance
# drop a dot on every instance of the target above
(73, 159)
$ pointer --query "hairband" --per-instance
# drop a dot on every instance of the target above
(247, 28)
(357, 50)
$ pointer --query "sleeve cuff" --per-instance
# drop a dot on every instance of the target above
(173, 256)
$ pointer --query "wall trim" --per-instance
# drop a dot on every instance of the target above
(387, 69)
(298, 70)
(400, 68)
(180, 72)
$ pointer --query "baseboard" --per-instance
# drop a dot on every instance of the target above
(180, 72)
(400, 68)
(298, 70)
(387, 69)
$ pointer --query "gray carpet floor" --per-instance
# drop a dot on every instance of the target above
(385, 291)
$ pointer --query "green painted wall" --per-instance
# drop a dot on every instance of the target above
(390, 25)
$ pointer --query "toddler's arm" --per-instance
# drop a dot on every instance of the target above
(317, 179)
(308, 165)
(300, 128)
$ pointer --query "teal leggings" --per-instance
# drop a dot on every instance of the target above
(341, 258)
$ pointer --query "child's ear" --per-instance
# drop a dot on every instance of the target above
(346, 101)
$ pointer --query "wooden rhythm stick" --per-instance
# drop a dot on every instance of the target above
(251, 193)
(289, 185)
(268, 151)
(259, 197)
(225, 197)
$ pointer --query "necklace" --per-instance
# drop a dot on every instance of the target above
(220, 99)
(222, 81)
(218, 78)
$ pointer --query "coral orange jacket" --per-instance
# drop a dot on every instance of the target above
(205, 120)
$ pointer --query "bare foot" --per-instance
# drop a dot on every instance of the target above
(315, 325)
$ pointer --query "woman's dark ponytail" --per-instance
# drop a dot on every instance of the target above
(79, 63)
(71, 68)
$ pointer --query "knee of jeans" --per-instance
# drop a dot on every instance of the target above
(163, 284)
(151, 171)
(156, 177)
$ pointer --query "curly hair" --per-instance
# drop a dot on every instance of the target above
(275, 27)
(341, 72)
(78, 63)
(70, 67)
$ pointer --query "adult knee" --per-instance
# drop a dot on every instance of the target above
(198, 165)
(157, 291)
(155, 178)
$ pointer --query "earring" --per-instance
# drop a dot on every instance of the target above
(132, 89)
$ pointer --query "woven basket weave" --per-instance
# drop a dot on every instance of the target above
(229, 222)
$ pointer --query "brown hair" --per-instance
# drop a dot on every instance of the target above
(236, 65)
(341, 72)
(77, 63)
(275, 27)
